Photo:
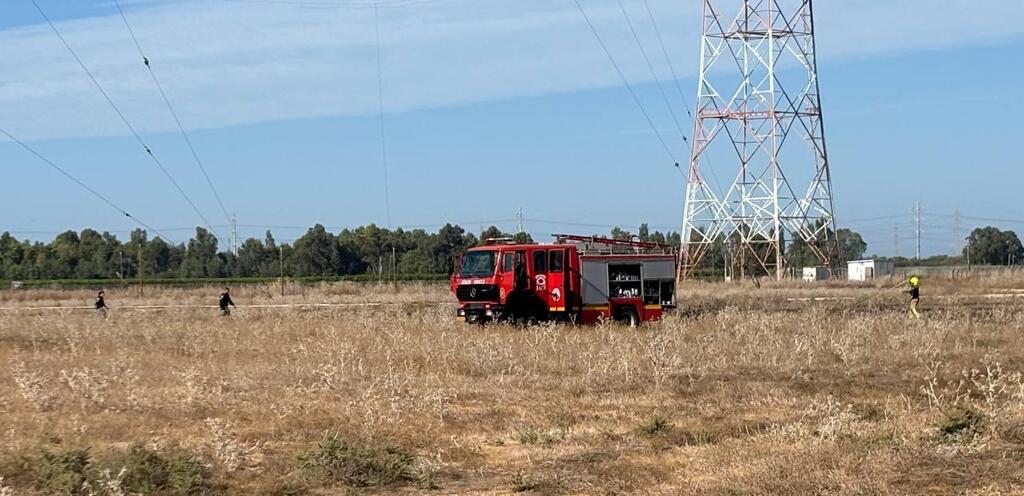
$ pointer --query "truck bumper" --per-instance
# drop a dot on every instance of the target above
(477, 312)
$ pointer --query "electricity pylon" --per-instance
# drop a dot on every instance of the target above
(759, 116)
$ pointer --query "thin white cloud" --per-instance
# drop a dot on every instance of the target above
(226, 63)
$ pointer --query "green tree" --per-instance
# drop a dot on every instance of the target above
(989, 245)
(522, 238)
(451, 241)
(201, 256)
(94, 253)
(252, 256)
(644, 232)
(64, 263)
(851, 245)
(315, 253)
(157, 257)
(491, 232)
(12, 254)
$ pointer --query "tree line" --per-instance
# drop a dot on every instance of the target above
(370, 249)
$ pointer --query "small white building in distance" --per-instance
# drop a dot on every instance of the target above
(812, 274)
(865, 270)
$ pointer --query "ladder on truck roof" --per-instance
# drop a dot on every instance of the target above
(609, 246)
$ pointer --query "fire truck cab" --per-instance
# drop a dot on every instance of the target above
(576, 278)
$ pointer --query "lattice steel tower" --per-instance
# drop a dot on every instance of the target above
(759, 121)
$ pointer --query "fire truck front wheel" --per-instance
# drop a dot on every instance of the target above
(627, 316)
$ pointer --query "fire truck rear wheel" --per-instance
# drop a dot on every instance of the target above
(627, 317)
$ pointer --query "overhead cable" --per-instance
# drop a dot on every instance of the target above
(654, 75)
(668, 59)
(679, 87)
(339, 5)
(120, 114)
(170, 108)
(77, 181)
(380, 115)
(625, 82)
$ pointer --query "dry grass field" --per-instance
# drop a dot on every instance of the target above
(786, 389)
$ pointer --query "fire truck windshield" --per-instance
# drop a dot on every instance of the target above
(478, 264)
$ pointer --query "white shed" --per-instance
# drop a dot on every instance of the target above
(864, 270)
(812, 274)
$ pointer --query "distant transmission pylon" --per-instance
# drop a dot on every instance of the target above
(759, 113)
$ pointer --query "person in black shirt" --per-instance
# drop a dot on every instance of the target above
(914, 290)
(101, 305)
(225, 300)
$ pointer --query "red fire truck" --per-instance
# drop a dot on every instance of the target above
(577, 278)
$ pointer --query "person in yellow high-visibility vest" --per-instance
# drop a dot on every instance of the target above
(914, 289)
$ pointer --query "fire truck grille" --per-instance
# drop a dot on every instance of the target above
(477, 292)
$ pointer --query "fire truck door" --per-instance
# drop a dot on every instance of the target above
(557, 290)
(522, 276)
(539, 271)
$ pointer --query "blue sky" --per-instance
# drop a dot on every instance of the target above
(492, 106)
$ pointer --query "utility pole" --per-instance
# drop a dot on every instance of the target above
(917, 212)
(280, 250)
(957, 233)
(234, 234)
(895, 241)
(968, 255)
(142, 270)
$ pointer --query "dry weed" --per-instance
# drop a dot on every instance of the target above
(742, 391)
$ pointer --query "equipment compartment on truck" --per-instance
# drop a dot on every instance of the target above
(640, 285)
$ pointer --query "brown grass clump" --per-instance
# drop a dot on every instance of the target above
(742, 391)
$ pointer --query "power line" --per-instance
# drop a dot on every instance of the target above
(625, 82)
(872, 219)
(74, 179)
(650, 67)
(591, 225)
(380, 114)
(174, 114)
(679, 87)
(120, 114)
(668, 59)
(989, 219)
(340, 5)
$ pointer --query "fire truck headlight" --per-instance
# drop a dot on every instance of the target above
(461, 313)
(489, 313)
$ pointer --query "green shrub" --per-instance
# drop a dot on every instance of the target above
(339, 461)
(532, 435)
(961, 423)
(522, 482)
(63, 472)
(170, 471)
(73, 471)
(657, 425)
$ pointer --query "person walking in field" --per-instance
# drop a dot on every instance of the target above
(101, 305)
(225, 300)
(914, 290)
